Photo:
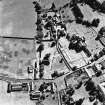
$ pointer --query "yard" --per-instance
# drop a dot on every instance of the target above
(72, 80)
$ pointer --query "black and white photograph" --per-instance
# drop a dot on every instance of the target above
(52, 52)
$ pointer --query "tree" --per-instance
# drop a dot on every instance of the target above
(44, 15)
(61, 33)
(39, 27)
(48, 25)
(68, 37)
(100, 96)
(41, 74)
(80, 101)
(39, 35)
(39, 21)
(40, 49)
(103, 7)
(86, 23)
(96, 57)
(37, 6)
(53, 7)
(39, 102)
(90, 86)
(43, 97)
(94, 4)
(100, 33)
(46, 35)
(95, 22)
(70, 92)
(63, 26)
(71, 46)
(45, 60)
(64, 98)
(86, 51)
(78, 85)
(53, 44)
(95, 103)
(91, 98)
(79, 21)
(77, 12)
(99, 73)
(41, 69)
(102, 29)
(47, 56)
(61, 60)
(74, 68)
(55, 74)
(103, 50)
(101, 53)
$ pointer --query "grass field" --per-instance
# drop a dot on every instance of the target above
(16, 56)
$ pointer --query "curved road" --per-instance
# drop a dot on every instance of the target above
(63, 57)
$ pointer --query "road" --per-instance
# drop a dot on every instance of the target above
(64, 59)
(5, 77)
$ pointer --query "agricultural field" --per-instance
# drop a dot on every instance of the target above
(16, 56)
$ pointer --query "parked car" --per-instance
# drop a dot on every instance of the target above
(35, 95)
(13, 87)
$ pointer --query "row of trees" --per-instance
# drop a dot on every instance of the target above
(79, 18)
(94, 4)
(93, 91)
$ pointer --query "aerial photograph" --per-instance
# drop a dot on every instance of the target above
(52, 52)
